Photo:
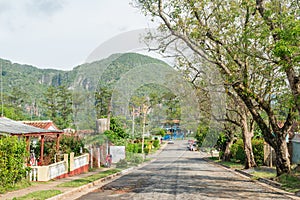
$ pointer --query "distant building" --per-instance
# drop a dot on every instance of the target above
(172, 128)
(101, 125)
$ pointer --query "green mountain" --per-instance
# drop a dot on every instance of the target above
(25, 85)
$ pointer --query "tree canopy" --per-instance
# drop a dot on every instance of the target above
(254, 44)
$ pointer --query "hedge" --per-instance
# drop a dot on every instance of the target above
(13, 155)
(238, 153)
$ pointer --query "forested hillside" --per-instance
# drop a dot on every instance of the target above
(27, 89)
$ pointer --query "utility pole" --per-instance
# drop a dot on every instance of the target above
(133, 121)
(145, 110)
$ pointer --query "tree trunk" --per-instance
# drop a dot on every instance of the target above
(294, 82)
(226, 156)
(250, 161)
(282, 157)
(247, 129)
(275, 136)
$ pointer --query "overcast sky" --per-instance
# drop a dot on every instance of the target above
(61, 34)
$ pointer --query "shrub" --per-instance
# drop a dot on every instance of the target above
(146, 150)
(156, 143)
(134, 158)
(258, 151)
(238, 153)
(237, 150)
(122, 164)
(13, 153)
(134, 148)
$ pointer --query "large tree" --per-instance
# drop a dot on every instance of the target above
(58, 102)
(248, 42)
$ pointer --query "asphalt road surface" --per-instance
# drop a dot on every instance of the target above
(180, 174)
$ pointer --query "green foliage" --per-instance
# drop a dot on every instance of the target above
(122, 164)
(146, 150)
(237, 151)
(12, 112)
(221, 142)
(39, 195)
(89, 179)
(134, 158)
(49, 152)
(13, 155)
(102, 101)
(290, 182)
(201, 134)
(159, 131)
(71, 144)
(117, 133)
(134, 147)
(156, 143)
(258, 151)
(58, 101)
(225, 30)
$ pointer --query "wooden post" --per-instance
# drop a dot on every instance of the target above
(57, 147)
(27, 144)
(28, 148)
(57, 143)
(42, 149)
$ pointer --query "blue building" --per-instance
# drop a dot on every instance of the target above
(172, 128)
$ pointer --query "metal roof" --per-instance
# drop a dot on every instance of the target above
(15, 127)
(296, 138)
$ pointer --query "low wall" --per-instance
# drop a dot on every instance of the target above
(46, 173)
(58, 170)
(79, 165)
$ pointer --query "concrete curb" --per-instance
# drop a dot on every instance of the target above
(263, 180)
(84, 187)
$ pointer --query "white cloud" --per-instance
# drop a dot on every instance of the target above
(61, 33)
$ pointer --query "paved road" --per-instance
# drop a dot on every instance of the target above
(182, 175)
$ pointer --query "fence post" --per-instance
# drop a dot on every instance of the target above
(98, 157)
(66, 159)
(91, 158)
(71, 161)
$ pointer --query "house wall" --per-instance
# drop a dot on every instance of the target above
(296, 152)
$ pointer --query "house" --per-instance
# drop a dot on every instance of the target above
(47, 124)
(43, 124)
(172, 128)
(19, 129)
(295, 149)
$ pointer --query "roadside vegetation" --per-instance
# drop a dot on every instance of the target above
(39, 195)
(89, 179)
(12, 155)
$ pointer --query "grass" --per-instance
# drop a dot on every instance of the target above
(89, 179)
(39, 195)
(24, 183)
(263, 174)
(290, 182)
(231, 164)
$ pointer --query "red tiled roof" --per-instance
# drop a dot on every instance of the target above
(41, 124)
(175, 121)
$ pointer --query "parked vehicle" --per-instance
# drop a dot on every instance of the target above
(170, 142)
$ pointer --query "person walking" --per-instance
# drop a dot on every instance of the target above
(108, 160)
